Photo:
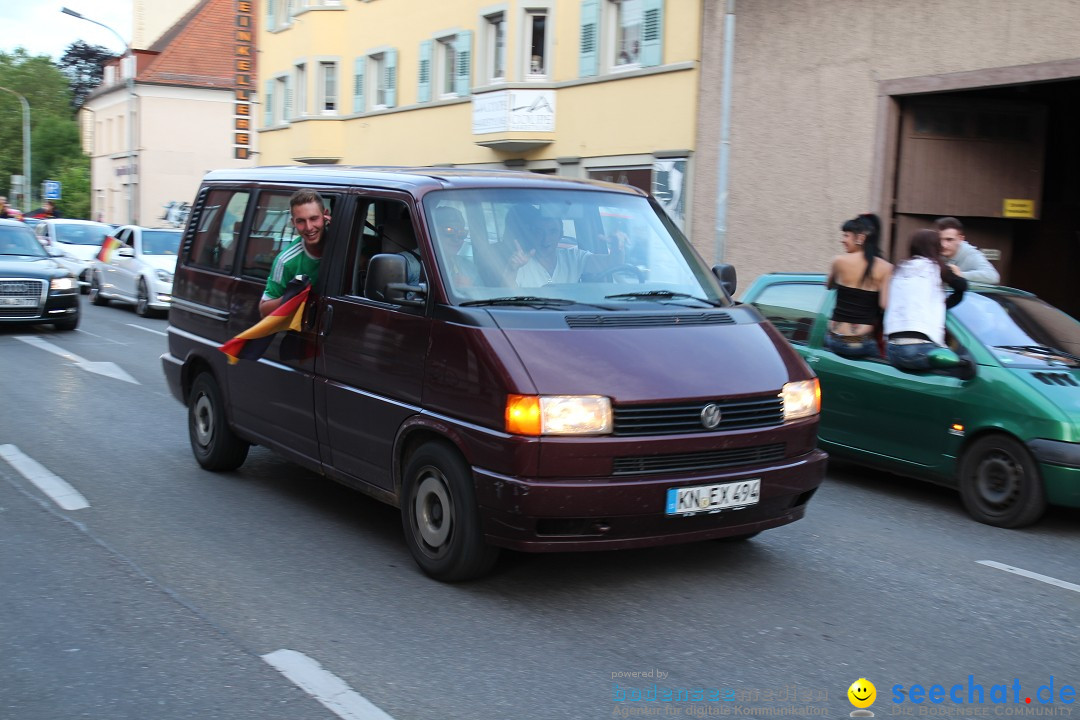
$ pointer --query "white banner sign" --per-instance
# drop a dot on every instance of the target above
(514, 111)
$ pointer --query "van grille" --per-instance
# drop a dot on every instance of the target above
(699, 461)
(621, 320)
(738, 414)
(1056, 378)
(25, 291)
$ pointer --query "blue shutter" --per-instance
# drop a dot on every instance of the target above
(287, 104)
(590, 38)
(390, 59)
(270, 14)
(268, 104)
(463, 71)
(423, 90)
(652, 33)
(358, 84)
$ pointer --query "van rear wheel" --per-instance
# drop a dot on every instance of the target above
(440, 516)
(215, 445)
(1000, 483)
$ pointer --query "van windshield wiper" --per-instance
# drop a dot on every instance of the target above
(536, 301)
(1044, 350)
(660, 295)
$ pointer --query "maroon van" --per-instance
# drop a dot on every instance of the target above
(514, 360)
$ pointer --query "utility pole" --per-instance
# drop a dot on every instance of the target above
(132, 218)
(28, 186)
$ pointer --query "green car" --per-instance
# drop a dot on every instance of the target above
(1003, 426)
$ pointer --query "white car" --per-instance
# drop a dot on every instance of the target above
(139, 271)
(73, 244)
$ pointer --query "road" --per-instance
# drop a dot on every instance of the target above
(271, 592)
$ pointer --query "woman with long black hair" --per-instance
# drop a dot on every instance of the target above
(915, 316)
(860, 277)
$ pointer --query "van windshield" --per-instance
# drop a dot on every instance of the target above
(600, 248)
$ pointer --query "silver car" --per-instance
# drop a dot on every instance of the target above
(73, 244)
(139, 271)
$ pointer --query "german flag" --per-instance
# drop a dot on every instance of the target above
(107, 248)
(253, 342)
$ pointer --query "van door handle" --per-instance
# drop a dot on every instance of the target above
(328, 316)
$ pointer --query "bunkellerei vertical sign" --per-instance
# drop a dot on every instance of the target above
(245, 71)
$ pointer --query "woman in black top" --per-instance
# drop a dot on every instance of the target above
(860, 277)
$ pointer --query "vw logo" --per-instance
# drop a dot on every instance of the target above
(710, 416)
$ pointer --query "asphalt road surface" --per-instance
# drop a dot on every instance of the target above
(136, 585)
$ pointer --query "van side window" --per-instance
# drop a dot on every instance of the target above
(382, 226)
(792, 308)
(218, 234)
(271, 229)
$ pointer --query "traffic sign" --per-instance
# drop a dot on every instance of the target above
(50, 190)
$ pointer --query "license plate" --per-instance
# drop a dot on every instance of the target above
(18, 301)
(712, 498)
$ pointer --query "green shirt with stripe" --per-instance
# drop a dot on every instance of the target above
(290, 262)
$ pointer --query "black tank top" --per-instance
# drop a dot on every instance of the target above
(856, 306)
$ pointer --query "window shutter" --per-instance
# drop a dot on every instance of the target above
(390, 58)
(270, 9)
(590, 28)
(287, 105)
(268, 103)
(652, 33)
(358, 84)
(423, 91)
(463, 72)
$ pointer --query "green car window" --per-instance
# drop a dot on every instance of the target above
(792, 307)
(1021, 330)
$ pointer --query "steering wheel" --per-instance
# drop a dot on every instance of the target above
(625, 271)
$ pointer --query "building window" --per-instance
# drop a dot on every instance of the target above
(495, 44)
(626, 26)
(328, 84)
(299, 100)
(281, 102)
(446, 64)
(535, 45)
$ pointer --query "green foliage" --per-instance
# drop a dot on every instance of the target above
(75, 182)
(54, 131)
(82, 64)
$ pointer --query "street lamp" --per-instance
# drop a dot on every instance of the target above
(27, 185)
(132, 213)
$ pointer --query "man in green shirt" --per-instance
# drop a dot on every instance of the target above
(303, 255)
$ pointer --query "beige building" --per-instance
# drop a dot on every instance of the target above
(599, 89)
(154, 130)
(912, 109)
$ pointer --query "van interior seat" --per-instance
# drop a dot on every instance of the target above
(259, 255)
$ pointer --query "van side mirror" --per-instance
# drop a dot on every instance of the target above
(386, 282)
(726, 275)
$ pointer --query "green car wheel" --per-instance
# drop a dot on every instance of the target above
(1000, 483)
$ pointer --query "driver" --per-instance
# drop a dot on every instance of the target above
(539, 260)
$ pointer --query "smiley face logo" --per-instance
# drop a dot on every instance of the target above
(862, 693)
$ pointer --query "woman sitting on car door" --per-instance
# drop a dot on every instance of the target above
(915, 317)
(861, 279)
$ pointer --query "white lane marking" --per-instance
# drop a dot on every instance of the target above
(61, 493)
(330, 690)
(156, 332)
(107, 369)
(1028, 574)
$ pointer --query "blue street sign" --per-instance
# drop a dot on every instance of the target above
(50, 190)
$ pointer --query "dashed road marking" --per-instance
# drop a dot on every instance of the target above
(1033, 575)
(156, 332)
(56, 488)
(330, 690)
(107, 369)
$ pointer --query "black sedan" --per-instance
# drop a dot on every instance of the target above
(34, 288)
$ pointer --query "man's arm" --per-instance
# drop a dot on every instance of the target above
(976, 268)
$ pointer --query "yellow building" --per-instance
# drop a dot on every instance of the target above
(601, 89)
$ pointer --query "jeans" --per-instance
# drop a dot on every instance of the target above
(856, 347)
(910, 356)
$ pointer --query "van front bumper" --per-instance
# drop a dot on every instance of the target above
(570, 514)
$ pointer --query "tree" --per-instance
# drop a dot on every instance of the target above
(74, 180)
(82, 64)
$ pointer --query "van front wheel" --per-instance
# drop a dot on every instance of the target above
(215, 445)
(441, 518)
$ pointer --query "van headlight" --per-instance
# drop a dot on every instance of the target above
(801, 399)
(64, 283)
(558, 414)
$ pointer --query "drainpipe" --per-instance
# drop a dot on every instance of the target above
(725, 131)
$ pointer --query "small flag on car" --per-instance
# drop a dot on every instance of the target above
(253, 342)
(107, 249)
